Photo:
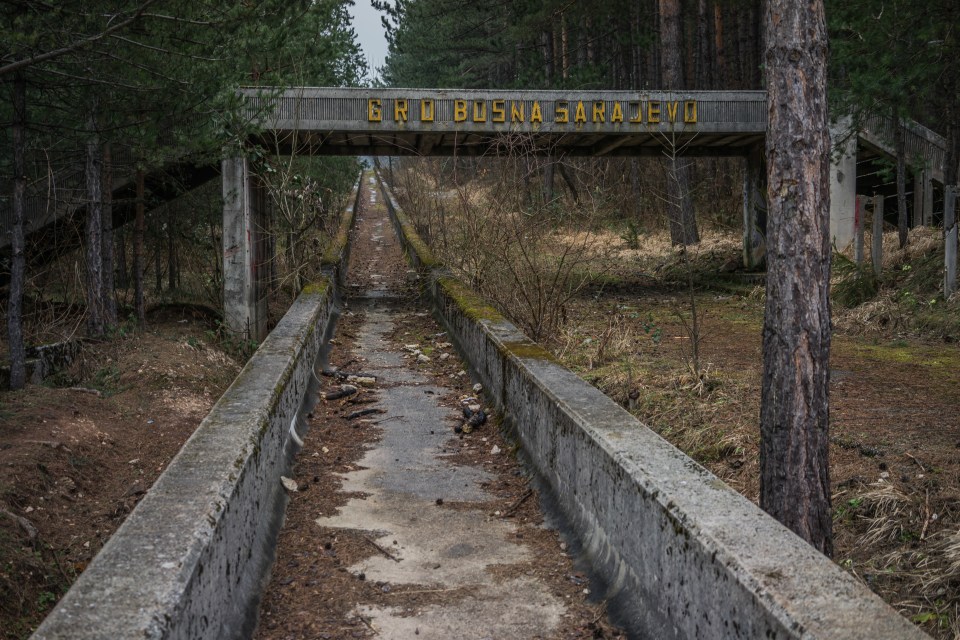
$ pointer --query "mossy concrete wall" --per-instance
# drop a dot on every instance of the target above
(683, 555)
(190, 560)
(334, 261)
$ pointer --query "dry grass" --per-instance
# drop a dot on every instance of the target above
(884, 507)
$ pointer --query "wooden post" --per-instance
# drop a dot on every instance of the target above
(927, 197)
(858, 232)
(950, 238)
(876, 248)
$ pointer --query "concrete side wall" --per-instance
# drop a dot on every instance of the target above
(189, 561)
(684, 555)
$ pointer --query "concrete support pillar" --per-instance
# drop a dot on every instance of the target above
(950, 238)
(843, 185)
(754, 210)
(244, 293)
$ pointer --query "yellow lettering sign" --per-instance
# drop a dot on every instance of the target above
(426, 110)
(400, 110)
(672, 109)
(479, 111)
(616, 114)
(581, 115)
(598, 109)
(535, 114)
(373, 110)
(653, 112)
(459, 110)
(499, 111)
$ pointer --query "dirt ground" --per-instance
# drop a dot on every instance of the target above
(76, 458)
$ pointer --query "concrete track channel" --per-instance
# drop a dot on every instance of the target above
(433, 527)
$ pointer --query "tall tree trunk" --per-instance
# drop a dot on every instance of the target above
(721, 75)
(546, 41)
(564, 48)
(109, 301)
(94, 229)
(171, 251)
(123, 271)
(683, 221)
(158, 254)
(18, 370)
(794, 410)
(548, 179)
(903, 225)
(704, 57)
(139, 228)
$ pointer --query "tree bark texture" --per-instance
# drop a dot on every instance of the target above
(18, 372)
(794, 412)
(139, 230)
(680, 213)
(94, 229)
(109, 301)
(903, 224)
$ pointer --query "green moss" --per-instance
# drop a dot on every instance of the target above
(332, 255)
(467, 300)
(316, 288)
(416, 243)
(528, 349)
(717, 483)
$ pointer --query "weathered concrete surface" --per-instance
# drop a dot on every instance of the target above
(684, 555)
(408, 470)
(244, 306)
(189, 561)
(441, 548)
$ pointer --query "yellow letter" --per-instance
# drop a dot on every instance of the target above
(581, 114)
(499, 112)
(598, 109)
(617, 113)
(690, 111)
(672, 108)
(426, 110)
(373, 110)
(479, 111)
(653, 112)
(459, 110)
(639, 117)
(400, 110)
(561, 113)
(516, 115)
(535, 113)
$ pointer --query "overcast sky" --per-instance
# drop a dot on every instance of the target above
(366, 22)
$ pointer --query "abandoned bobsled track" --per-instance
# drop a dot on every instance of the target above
(679, 554)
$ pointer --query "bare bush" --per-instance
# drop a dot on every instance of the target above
(525, 253)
